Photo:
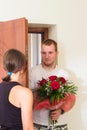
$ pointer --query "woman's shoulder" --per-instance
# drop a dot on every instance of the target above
(22, 89)
(20, 95)
(23, 93)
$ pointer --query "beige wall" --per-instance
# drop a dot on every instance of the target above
(70, 30)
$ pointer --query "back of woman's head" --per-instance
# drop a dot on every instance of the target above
(13, 61)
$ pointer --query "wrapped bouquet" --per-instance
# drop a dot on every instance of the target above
(52, 92)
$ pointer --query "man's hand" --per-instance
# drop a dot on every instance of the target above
(55, 114)
(59, 105)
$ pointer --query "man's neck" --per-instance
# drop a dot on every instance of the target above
(48, 67)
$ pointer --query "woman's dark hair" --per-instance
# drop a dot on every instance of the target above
(13, 61)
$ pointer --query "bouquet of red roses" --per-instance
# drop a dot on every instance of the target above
(52, 92)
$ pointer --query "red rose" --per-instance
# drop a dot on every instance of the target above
(43, 81)
(52, 78)
(62, 80)
(55, 85)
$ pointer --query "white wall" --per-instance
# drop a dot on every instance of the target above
(70, 18)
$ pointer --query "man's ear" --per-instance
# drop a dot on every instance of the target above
(57, 52)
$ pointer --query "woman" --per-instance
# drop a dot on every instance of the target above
(16, 101)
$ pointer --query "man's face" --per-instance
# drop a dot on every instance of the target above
(48, 54)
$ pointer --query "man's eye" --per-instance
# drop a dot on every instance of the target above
(50, 52)
(43, 53)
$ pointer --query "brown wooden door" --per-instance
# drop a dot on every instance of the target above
(13, 34)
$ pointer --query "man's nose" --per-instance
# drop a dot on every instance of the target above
(47, 55)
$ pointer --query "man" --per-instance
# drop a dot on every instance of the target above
(47, 68)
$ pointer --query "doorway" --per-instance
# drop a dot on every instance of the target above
(35, 36)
